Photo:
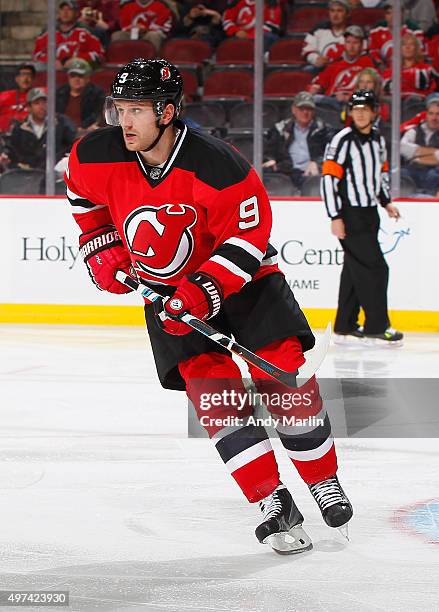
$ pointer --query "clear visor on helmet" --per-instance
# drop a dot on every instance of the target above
(112, 115)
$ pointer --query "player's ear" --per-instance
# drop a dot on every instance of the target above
(167, 115)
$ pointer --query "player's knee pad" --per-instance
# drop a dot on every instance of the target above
(215, 387)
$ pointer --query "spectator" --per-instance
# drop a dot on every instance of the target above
(13, 101)
(381, 38)
(108, 9)
(72, 40)
(422, 12)
(27, 145)
(295, 146)
(150, 20)
(337, 81)
(417, 77)
(326, 41)
(420, 150)
(92, 19)
(239, 20)
(202, 22)
(369, 79)
(79, 99)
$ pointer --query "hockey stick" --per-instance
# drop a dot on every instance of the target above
(286, 378)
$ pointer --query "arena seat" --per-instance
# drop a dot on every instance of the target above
(279, 184)
(190, 84)
(366, 17)
(235, 51)
(104, 78)
(286, 83)
(286, 52)
(19, 181)
(121, 52)
(236, 84)
(187, 52)
(304, 19)
(241, 115)
(41, 78)
(206, 114)
(244, 144)
(311, 187)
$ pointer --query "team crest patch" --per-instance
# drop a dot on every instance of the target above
(165, 73)
(155, 173)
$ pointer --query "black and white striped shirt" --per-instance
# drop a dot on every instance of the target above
(355, 171)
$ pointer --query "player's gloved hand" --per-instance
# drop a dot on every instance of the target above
(103, 253)
(198, 294)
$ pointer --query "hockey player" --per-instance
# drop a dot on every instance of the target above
(355, 181)
(189, 215)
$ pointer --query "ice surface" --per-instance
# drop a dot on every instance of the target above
(103, 495)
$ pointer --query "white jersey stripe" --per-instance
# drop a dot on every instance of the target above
(247, 246)
(315, 453)
(226, 263)
(249, 454)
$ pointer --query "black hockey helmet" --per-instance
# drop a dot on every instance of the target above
(141, 79)
(363, 97)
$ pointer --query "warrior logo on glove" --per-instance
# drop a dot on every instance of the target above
(161, 238)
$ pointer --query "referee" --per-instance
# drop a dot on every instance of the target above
(355, 180)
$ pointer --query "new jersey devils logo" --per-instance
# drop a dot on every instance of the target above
(161, 238)
(165, 73)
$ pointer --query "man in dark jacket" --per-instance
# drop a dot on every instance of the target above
(27, 145)
(79, 99)
(296, 146)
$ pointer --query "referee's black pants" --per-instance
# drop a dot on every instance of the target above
(365, 274)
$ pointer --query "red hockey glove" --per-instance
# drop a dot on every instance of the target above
(198, 294)
(104, 254)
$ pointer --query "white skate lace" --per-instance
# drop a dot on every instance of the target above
(270, 505)
(327, 493)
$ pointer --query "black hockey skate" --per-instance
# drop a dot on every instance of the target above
(282, 524)
(335, 507)
(390, 337)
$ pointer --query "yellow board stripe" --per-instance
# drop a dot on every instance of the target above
(62, 314)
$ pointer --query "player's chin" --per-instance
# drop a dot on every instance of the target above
(132, 144)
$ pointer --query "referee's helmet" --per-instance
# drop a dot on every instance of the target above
(363, 97)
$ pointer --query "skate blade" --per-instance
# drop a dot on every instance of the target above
(377, 343)
(344, 530)
(291, 542)
(340, 340)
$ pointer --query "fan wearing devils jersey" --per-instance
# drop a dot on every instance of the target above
(150, 20)
(239, 20)
(337, 81)
(188, 214)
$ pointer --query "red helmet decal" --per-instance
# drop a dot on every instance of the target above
(165, 73)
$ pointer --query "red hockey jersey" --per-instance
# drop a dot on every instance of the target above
(418, 80)
(241, 15)
(381, 40)
(12, 106)
(152, 15)
(205, 209)
(340, 76)
(77, 42)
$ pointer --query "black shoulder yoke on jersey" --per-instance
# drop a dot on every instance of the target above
(104, 146)
(212, 160)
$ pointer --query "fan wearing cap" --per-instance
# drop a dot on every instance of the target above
(295, 146)
(355, 182)
(72, 40)
(337, 81)
(187, 213)
(28, 139)
(420, 148)
(13, 101)
(325, 42)
(80, 99)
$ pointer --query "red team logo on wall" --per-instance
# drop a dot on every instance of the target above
(165, 73)
(161, 238)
